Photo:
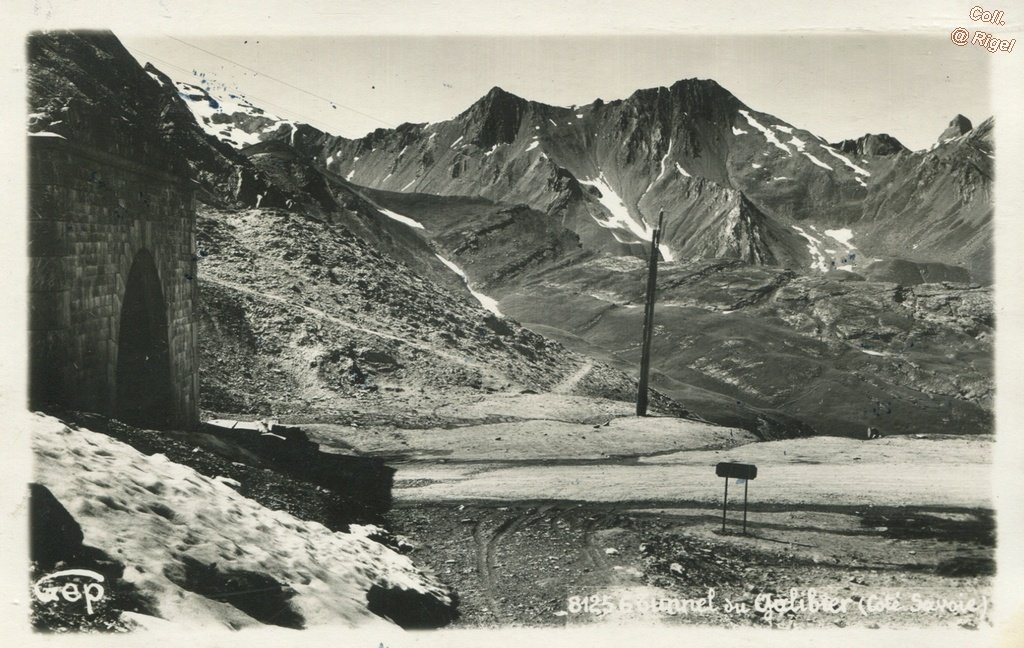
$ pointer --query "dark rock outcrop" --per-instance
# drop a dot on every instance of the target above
(408, 608)
(365, 479)
(258, 595)
(496, 118)
(54, 535)
(960, 125)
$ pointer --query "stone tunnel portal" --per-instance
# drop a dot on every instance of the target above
(144, 394)
(112, 296)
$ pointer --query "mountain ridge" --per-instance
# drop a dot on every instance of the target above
(633, 151)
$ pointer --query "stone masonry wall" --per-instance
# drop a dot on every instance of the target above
(90, 213)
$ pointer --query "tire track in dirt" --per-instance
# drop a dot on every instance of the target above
(487, 546)
(592, 549)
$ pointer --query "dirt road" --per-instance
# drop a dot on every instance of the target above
(571, 511)
(565, 564)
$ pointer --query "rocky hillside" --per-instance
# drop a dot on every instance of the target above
(299, 315)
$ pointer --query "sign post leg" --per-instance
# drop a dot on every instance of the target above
(745, 484)
(725, 503)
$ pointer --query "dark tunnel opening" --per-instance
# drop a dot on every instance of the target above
(143, 358)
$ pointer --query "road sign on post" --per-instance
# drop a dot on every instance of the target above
(742, 472)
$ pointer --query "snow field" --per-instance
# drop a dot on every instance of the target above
(148, 512)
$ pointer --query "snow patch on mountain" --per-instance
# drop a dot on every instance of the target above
(664, 158)
(400, 218)
(489, 303)
(661, 172)
(785, 129)
(204, 105)
(682, 171)
(814, 246)
(823, 249)
(738, 131)
(816, 161)
(768, 134)
(534, 144)
(845, 160)
(844, 236)
(620, 217)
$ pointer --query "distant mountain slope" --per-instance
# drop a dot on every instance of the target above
(937, 205)
(832, 351)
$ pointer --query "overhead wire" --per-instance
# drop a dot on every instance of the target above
(284, 111)
(281, 81)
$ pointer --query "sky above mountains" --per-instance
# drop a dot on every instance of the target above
(837, 86)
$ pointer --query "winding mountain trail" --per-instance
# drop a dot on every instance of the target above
(421, 346)
(569, 384)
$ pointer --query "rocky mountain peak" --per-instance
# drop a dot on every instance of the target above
(499, 93)
(497, 98)
(495, 117)
(693, 95)
(959, 126)
(704, 92)
(881, 144)
(702, 100)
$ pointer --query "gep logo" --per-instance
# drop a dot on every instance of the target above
(66, 585)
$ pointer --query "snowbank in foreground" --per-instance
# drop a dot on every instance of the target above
(151, 513)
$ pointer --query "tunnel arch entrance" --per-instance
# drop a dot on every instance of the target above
(144, 391)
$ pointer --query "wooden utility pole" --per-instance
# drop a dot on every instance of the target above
(648, 333)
